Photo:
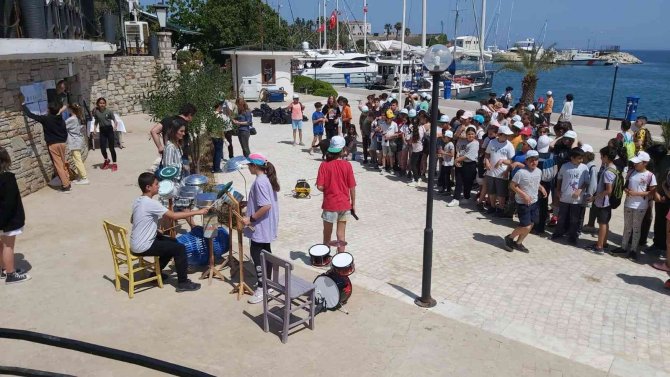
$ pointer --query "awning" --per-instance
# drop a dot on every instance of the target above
(169, 25)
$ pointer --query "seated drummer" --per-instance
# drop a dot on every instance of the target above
(145, 240)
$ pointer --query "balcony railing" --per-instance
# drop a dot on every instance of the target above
(48, 19)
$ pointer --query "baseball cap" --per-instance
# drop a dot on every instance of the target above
(393, 96)
(429, 97)
(412, 113)
(336, 144)
(444, 119)
(587, 148)
(295, 96)
(549, 92)
(526, 131)
(257, 159)
(532, 153)
(516, 118)
(543, 144)
(532, 143)
(505, 130)
(467, 115)
(494, 123)
(364, 109)
(570, 134)
(530, 107)
(478, 118)
(423, 95)
(518, 124)
(389, 114)
(404, 111)
(640, 157)
(503, 110)
(448, 133)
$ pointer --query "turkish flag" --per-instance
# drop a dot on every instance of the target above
(333, 21)
(365, 9)
(321, 28)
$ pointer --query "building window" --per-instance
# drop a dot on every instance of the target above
(268, 71)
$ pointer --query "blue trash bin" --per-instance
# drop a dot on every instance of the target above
(347, 80)
(447, 89)
(631, 107)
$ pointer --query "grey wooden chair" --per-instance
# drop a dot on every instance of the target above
(292, 293)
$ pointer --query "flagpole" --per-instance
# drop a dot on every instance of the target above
(337, 24)
(319, 28)
(365, 27)
(402, 53)
(325, 29)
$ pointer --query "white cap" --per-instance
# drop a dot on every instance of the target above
(295, 96)
(530, 107)
(412, 113)
(532, 143)
(336, 144)
(532, 153)
(429, 97)
(549, 92)
(423, 94)
(505, 130)
(543, 144)
(516, 118)
(448, 133)
(587, 148)
(393, 96)
(518, 124)
(570, 134)
(444, 119)
(404, 111)
(467, 115)
(640, 157)
(364, 109)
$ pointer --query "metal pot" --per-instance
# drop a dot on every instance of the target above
(196, 180)
(189, 192)
(205, 199)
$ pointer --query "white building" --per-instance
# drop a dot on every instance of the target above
(359, 28)
(254, 71)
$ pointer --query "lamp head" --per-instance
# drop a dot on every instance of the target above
(161, 13)
(437, 58)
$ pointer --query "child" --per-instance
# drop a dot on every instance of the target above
(589, 161)
(318, 119)
(331, 123)
(351, 141)
(526, 184)
(75, 141)
(571, 180)
(447, 154)
(12, 220)
(106, 125)
(641, 185)
(601, 210)
(497, 158)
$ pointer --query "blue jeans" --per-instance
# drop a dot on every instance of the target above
(218, 153)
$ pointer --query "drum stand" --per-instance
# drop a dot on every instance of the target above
(234, 209)
(212, 271)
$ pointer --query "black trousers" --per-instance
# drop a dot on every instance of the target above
(107, 140)
(569, 216)
(256, 248)
(166, 248)
(465, 177)
(659, 225)
(366, 145)
(444, 180)
(229, 138)
(415, 164)
(544, 208)
(244, 136)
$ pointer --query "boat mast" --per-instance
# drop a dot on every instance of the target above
(337, 25)
(544, 33)
(325, 27)
(402, 52)
(456, 26)
(365, 27)
(481, 37)
(497, 16)
(318, 7)
(423, 24)
(509, 25)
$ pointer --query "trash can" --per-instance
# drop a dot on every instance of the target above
(447, 89)
(275, 96)
(631, 107)
(347, 80)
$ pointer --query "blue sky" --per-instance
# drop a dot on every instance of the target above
(639, 24)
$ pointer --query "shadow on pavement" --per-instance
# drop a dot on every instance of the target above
(489, 239)
(301, 255)
(649, 282)
(21, 262)
(406, 292)
(275, 327)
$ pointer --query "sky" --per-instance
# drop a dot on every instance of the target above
(634, 25)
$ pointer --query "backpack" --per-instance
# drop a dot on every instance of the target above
(628, 145)
(617, 189)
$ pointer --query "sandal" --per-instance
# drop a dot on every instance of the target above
(662, 266)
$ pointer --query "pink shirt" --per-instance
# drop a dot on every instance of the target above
(296, 111)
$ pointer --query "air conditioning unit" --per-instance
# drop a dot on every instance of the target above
(137, 36)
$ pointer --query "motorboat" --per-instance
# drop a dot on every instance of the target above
(512, 55)
(580, 57)
(337, 67)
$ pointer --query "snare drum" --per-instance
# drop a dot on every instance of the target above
(319, 255)
(166, 189)
(332, 291)
(343, 264)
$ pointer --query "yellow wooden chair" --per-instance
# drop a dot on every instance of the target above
(118, 244)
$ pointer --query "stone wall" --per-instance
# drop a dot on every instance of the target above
(121, 80)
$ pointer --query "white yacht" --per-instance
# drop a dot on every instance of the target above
(337, 67)
(579, 57)
(512, 55)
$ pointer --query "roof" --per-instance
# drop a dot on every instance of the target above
(259, 53)
(169, 25)
(32, 48)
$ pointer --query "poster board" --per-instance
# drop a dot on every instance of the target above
(36, 97)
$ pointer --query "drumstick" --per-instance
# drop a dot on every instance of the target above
(343, 310)
(239, 217)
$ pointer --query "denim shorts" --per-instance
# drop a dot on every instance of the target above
(334, 216)
(296, 124)
(528, 214)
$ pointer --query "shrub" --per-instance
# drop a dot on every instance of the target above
(303, 84)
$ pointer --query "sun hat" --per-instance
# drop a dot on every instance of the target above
(389, 114)
(257, 159)
(640, 157)
(587, 148)
(448, 133)
(364, 109)
(295, 96)
(444, 119)
(516, 118)
(526, 131)
(531, 143)
(518, 124)
(467, 115)
(532, 153)
(549, 92)
(505, 130)
(478, 118)
(412, 113)
(530, 107)
(336, 144)
(570, 134)
(503, 110)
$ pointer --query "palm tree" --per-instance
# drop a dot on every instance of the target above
(387, 28)
(398, 28)
(407, 32)
(530, 64)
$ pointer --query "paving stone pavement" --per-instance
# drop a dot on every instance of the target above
(607, 312)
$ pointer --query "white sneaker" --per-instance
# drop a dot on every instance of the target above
(452, 203)
(412, 184)
(257, 297)
(82, 182)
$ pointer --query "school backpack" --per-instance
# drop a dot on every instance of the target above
(547, 164)
(628, 145)
(617, 189)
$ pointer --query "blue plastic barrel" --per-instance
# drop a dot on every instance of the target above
(447, 89)
(347, 80)
(631, 107)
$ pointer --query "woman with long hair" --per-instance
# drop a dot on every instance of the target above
(415, 140)
(243, 121)
(336, 180)
(172, 155)
(263, 214)
(346, 114)
(75, 141)
(106, 125)
(12, 220)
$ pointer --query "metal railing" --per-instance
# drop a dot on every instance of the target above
(54, 19)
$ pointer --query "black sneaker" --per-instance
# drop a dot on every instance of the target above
(187, 286)
(491, 211)
(3, 273)
(521, 248)
(16, 277)
(619, 252)
(509, 243)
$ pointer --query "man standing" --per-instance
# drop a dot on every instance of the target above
(566, 113)
(548, 107)
(184, 117)
(296, 108)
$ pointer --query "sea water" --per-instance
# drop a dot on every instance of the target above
(592, 86)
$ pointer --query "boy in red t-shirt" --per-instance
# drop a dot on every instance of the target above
(336, 180)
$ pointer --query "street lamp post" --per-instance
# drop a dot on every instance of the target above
(161, 13)
(437, 59)
(609, 112)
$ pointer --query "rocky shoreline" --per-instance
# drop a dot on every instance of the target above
(621, 57)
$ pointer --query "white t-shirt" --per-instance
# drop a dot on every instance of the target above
(498, 151)
(418, 146)
(388, 130)
(573, 177)
(446, 160)
(639, 181)
(146, 214)
(529, 182)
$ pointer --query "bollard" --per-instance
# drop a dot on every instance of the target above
(631, 107)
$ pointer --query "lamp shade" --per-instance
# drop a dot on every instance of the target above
(437, 58)
(161, 14)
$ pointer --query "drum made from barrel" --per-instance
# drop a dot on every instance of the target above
(332, 291)
(343, 264)
(319, 255)
(166, 189)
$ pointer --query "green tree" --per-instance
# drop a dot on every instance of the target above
(407, 32)
(398, 29)
(530, 64)
(387, 29)
(439, 39)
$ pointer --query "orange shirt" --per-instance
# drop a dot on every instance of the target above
(549, 106)
(346, 114)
